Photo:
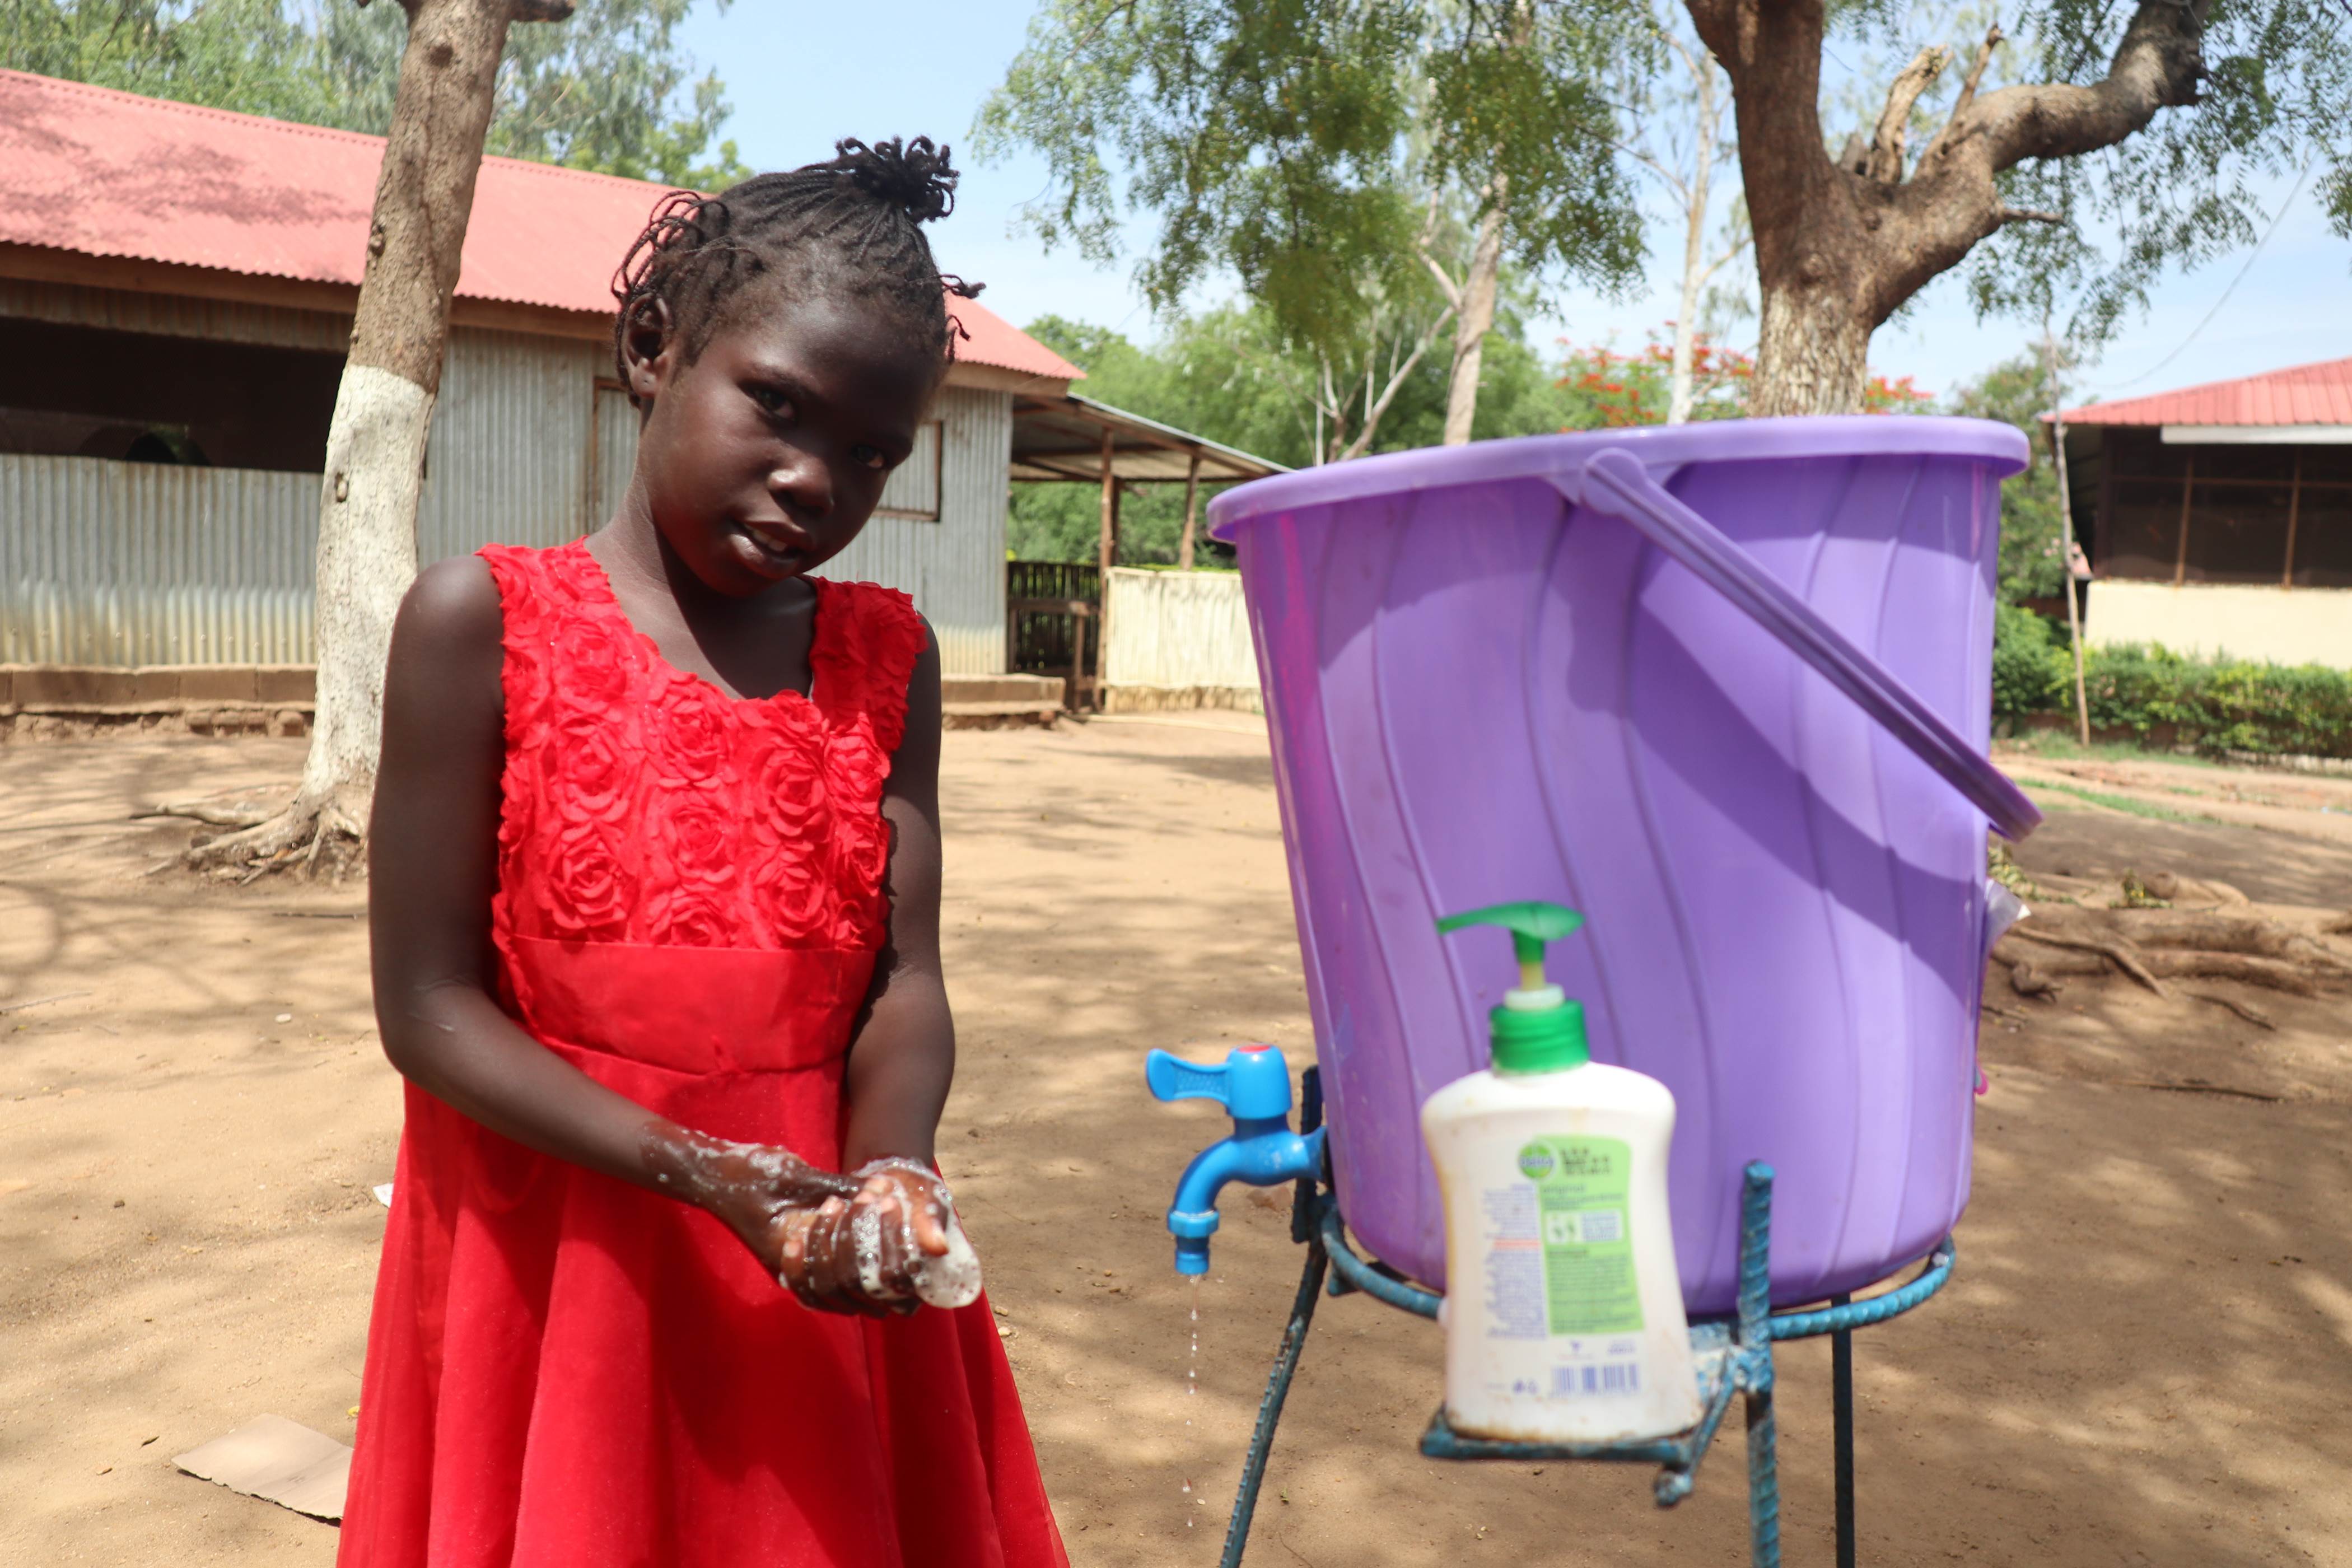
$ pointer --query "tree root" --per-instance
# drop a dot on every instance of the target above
(304, 836)
(2250, 1013)
(2198, 1085)
(2117, 953)
(207, 812)
(2228, 934)
(2028, 979)
(2094, 959)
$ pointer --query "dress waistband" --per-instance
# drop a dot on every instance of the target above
(691, 1009)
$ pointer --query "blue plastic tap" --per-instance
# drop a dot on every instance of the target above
(1252, 1084)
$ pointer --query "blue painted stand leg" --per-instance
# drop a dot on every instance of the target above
(1842, 1406)
(1756, 1338)
(1735, 1357)
(1306, 1205)
(1269, 1408)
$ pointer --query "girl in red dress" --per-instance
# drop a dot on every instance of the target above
(654, 890)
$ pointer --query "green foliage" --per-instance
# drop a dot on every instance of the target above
(608, 90)
(2017, 391)
(2219, 704)
(1602, 389)
(2194, 185)
(2031, 670)
(1322, 150)
(1225, 374)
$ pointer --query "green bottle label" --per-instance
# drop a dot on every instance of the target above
(1588, 1243)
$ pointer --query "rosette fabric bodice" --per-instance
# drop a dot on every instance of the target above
(645, 806)
(566, 1371)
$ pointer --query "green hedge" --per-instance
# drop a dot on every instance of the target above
(2170, 699)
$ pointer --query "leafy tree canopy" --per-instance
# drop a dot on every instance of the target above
(2018, 392)
(610, 90)
(1226, 373)
(1324, 152)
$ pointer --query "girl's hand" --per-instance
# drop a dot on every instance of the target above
(752, 1188)
(864, 1254)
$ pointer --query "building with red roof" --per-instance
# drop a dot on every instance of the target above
(2219, 518)
(177, 284)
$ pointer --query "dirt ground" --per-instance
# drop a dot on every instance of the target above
(2144, 1357)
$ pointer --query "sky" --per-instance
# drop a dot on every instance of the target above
(798, 77)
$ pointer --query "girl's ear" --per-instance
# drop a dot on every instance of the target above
(646, 349)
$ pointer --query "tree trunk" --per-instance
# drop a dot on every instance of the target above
(1840, 247)
(1812, 352)
(1476, 319)
(384, 410)
(1679, 400)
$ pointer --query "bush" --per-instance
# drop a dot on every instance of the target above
(2171, 699)
(2220, 704)
(2031, 667)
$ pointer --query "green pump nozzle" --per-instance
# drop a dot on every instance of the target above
(1537, 1028)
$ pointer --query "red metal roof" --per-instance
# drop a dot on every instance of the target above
(2302, 394)
(110, 174)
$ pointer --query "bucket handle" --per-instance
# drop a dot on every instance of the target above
(1617, 482)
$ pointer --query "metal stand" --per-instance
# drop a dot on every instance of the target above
(1733, 1356)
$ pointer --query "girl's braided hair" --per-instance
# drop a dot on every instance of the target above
(852, 225)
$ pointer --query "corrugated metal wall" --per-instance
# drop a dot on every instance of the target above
(105, 563)
(124, 564)
(955, 568)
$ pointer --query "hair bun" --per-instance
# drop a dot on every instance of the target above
(914, 176)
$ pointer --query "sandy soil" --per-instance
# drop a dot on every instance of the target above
(2143, 1358)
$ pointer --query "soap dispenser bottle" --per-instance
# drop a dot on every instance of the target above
(1563, 1312)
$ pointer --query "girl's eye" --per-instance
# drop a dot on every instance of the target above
(871, 457)
(771, 400)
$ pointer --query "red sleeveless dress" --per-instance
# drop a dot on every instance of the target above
(565, 1371)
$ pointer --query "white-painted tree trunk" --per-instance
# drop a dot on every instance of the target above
(367, 558)
(1474, 321)
(1694, 266)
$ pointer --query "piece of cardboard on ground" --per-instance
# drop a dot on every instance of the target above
(279, 1461)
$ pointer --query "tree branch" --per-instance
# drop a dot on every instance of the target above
(1445, 284)
(1967, 90)
(2030, 214)
(1885, 162)
(1356, 449)
(2158, 65)
(1948, 206)
(543, 10)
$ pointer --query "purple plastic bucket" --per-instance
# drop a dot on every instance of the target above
(1753, 757)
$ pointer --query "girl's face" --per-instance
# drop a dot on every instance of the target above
(764, 456)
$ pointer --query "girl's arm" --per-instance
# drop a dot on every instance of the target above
(904, 1055)
(432, 869)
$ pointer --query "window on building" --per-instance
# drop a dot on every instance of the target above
(2243, 508)
(912, 491)
(92, 392)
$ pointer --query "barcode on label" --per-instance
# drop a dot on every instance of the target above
(1580, 1382)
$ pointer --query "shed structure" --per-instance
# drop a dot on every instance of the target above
(176, 288)
(2219, 518)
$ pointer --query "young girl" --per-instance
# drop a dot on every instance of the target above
(654, 890)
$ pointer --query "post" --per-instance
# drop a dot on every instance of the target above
(2066, 570)
(1107, 551)
(2188, 490)
(1191, 508)
(1842, 1434)
(2293, 506)
(1105, 556)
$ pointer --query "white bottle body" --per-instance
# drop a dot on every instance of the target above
(1563, 1312)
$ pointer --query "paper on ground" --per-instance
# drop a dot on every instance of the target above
(384, 1194)
(279, 1461)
